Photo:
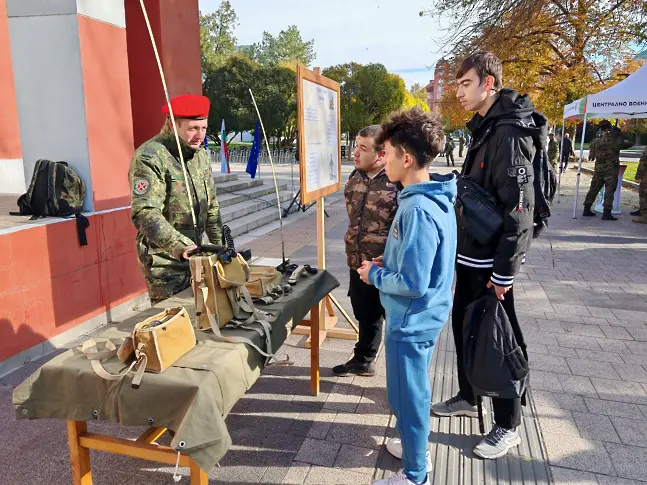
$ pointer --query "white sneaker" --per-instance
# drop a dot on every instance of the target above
(399, 479)
(497, 443)
(394, 446)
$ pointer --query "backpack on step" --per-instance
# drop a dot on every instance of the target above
(495, 364)
(55, 190)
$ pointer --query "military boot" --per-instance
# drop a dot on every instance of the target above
(641, 219)
(607, 216)
(587, 211)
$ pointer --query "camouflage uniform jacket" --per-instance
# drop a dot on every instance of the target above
(592, 149)
(371, 204)
(641, 171)
(161, 211)
(606, 151)
(553, 151)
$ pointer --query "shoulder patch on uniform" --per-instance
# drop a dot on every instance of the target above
(141, 186)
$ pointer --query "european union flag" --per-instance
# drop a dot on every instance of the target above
(254, 153)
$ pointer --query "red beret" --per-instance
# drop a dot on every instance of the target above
(189, 106)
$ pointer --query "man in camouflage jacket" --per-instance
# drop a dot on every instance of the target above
(641, 176)
(371, 200)
(553, 151)
(606, 152)
(161, 211)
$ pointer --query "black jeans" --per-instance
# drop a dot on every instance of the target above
(365, 300)
(470, 286)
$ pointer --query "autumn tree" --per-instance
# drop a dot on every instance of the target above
(555, 50)
(217, 40)
(419, 92)
(369, 93)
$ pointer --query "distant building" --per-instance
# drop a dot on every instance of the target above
(435, 86)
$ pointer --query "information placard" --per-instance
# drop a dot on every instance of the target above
(319, 135)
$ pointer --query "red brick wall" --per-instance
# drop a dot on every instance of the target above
(177, 36)
(49, 284)
(9, 129)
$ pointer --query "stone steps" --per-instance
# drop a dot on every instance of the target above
(227, 198)
(247, 207)
(247, 204)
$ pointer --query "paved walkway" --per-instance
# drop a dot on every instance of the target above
(585, 319)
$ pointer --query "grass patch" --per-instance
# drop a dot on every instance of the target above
(630, 171)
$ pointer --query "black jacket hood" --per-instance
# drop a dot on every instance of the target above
(512, 108)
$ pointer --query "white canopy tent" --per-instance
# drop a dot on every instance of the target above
(627, 99)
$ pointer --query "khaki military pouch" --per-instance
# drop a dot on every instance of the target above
(211, 300)
(235, 273)
(163, 338)
(263, 280)
(156, 344)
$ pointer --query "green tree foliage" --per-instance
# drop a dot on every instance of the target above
(369, 93)
(217, 41)
(287, 47)
(274, 88)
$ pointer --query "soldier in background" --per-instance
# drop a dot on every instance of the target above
(461, 145)
(641, 176)
(161, 211)
(606, 153)
(553, 150)
(449, 150)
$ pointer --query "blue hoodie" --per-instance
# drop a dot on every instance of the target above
(415, 281)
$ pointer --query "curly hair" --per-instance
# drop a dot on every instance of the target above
(415, 132)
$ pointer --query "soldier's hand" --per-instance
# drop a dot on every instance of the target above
(187, 249)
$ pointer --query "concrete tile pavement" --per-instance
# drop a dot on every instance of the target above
(585, 321)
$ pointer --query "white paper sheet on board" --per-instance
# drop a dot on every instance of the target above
(321, 136)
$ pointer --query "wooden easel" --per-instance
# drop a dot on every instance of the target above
(322, 322)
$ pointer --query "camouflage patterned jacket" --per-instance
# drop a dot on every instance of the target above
(553, 152)
(641, 171)
(371, 205)
(160, 204)
(606, 151)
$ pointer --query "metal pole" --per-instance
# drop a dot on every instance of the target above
(579, 166)
(559, 162)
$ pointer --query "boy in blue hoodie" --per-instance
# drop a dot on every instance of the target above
(415, 281)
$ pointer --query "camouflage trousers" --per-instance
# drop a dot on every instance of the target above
(608, 180)
(642, 195)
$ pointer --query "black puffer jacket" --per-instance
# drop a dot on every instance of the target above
(500, 160)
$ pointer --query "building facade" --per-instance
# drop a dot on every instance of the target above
(79, 83)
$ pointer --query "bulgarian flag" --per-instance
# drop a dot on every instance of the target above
(224, 151)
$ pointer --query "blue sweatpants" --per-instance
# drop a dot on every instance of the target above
(409, 393)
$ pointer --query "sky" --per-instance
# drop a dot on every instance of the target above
(385, 31)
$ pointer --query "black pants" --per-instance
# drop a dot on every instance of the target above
(365, 300)
(470, 285)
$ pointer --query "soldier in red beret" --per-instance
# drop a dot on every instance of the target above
(161, 210)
